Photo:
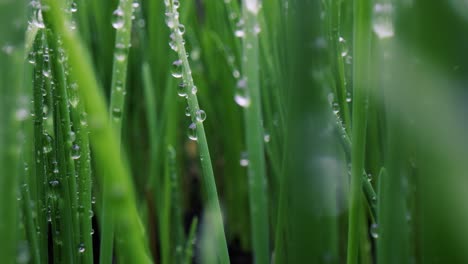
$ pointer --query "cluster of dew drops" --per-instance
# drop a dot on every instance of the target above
(185, 89)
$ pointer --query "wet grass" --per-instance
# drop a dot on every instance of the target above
(175, 131)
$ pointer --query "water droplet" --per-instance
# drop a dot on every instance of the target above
(74, 100)
(73, 7)
(239, 33)
(75, 152)
(236, 74)
(84, 119)
(374, 231)
(181, 29)
(194, 89)
(120, 52)
(266, 137)
(349, 98)
(187, 111)
(241, 97)
(252, 6)
(47, 147)
(242, 100)
(200, 116)
(244, 159)
(118, 19)
(382, 23)
(336, 108)
(116, 114)
(81, 248)
(54, 183)
(176, 69)
(72, 136)
(32, 57)
(176, 4)
(192, 132)
(46, 72)
(181, 90)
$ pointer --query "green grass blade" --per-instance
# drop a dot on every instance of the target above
(189, 91)
(122, 23)
(254, 134)
(11, 76)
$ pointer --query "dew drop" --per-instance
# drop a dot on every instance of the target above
(75, 152)
(47, 147)
(176, 69)
(200, 116)
(54, 183)
(32, 58)
(242, 100)
(181, 90)
(81, 248)
(374, 231)
(73, 7)
(194, 89)
(72, 136)
(239, 33)
(116, 114)
(181, 29)
(266, 138)
(120, 52)
(244, 159)
(118, 18)
(336, 108)
(84, 119)
(252, 6)
(192, 132)
(187, 111)
(236, 74)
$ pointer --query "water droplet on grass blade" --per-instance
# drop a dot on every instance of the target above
(244, 159)
(176, 69)
(81, 248)
(192, 132)
(54, 183)
(181, 90)
(73, 7)
(200, 116)
(118, 19)
(374, 231)
(116, 114)
(75, 152)
(252, 6)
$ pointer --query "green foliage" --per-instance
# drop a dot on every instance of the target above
(299, 131)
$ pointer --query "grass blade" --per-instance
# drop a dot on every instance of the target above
(122, 23)
(254, 134)
(189, 91)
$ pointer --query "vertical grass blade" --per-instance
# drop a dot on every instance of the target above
(258, 195)
(196, 129)
(122, 23)
(361, 40)
(11, 76)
